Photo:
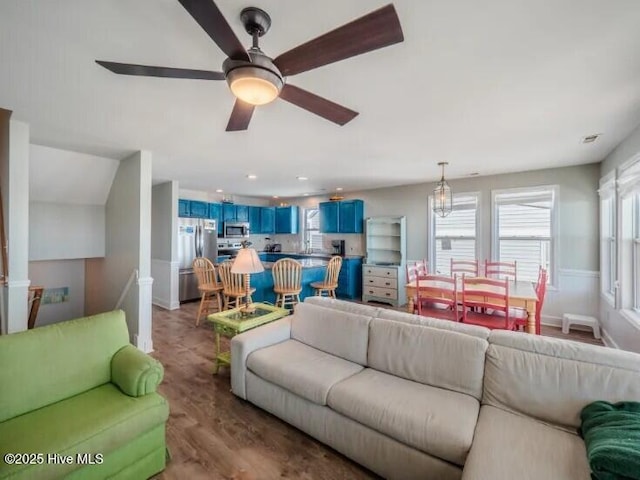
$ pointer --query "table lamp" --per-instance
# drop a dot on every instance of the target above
(247, 262)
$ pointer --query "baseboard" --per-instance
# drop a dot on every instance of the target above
(163, 303)
(606, 338)
(551, 321)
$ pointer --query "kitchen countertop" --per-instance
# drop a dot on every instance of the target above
(306, 263)
(311, 255)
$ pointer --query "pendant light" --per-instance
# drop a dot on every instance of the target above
(442, 195)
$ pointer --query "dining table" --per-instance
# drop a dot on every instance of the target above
(521, 295)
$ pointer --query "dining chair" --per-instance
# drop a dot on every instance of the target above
(464, 267)
(501, 270)
(485, 302)
(330, 282)
(437, 297)
(412, 271)
(233, 283)
(287, 281)
(541, 292)
(208, 286)
(422, 266)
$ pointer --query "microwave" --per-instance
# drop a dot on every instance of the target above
(235, 229)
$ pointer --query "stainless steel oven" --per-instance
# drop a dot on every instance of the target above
(236, 229)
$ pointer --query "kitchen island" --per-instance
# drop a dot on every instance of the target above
(313, 270)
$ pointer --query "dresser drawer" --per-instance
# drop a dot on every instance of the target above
(389, 293)
(370, 281)
(380, 271)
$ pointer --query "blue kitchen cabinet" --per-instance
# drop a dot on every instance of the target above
(198, 209)
(242, 213)
(345, 216)
(268, 220)
(183, 208)
(350, 279)
(215, 213)
(255, 220)
(287, 219)
(350, 216)
(228, 212)
(328, 217)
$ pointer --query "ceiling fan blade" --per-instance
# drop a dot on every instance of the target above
(164, 72)
(210, 18)
(318, 105)
(240, 116)
(378, 29)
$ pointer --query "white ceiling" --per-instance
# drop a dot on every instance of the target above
(492, 86)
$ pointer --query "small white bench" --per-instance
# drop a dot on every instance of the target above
(569, 319)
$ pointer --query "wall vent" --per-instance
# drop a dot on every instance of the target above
(591, 138)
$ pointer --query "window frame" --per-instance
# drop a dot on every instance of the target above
(431, 223)
(608, 239)
(553, 239)
(306, 230)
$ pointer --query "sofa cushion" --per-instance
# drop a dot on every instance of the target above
(432, 356)
(301, 369)
(436, 421)
(553, 380)
(339, 333)
(507, 446)
(97, 421)
(343, 305)
(405, 317)
(48, 370)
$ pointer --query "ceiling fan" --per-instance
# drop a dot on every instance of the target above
(256, 79)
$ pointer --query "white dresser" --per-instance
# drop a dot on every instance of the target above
(383, 272)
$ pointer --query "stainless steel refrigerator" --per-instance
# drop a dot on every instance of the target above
(197, 237)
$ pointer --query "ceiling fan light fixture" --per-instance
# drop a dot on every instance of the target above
(254, 85)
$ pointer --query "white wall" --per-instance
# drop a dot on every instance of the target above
(164, 245)
(65, 231)
(55, 274)
(578, 256)
(620, 329)
(127, 249)
(15, 200)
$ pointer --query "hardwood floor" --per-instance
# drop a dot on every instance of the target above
(212, 434)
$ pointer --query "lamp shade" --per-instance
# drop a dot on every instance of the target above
(247, 261)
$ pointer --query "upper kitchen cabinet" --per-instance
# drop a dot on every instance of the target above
(345, 216)
(287, 219)
(193, 208)
(183, 208)
(268, 220)
(215, 213)
(228, 212)
(255, 220)
(242, 213)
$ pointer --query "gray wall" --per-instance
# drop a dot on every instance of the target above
(622, 153)
(65, 231)
(163, 221)
(127, 247)
(578, 210)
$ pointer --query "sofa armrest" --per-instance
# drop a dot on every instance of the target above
(244, 344)
(135, 372)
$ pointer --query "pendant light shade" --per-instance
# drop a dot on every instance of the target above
(442, 196)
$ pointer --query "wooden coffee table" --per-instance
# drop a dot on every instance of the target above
(232, 322)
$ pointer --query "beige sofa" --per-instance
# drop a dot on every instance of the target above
(412, 397)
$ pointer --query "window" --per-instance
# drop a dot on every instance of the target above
(627, 248)
(524, 229)
(635, 252)
(312, 235)
(454, 236)
(608, 271)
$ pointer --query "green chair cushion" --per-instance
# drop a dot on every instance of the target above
(135, 372)
(97, 421)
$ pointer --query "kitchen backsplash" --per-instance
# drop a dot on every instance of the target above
(354, 243)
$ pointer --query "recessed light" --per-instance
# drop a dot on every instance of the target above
(339, 189)
(252, 177)
(591, 138)
(219, 190)
(302, 179)
(305, 194)
(276, 196)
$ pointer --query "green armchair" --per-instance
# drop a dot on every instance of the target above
(78, 401)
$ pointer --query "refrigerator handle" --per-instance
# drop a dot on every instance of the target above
(197, 240)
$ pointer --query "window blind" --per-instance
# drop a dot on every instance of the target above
(313, 237)
(455, 235)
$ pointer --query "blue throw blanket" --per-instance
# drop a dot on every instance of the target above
(611, 434)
